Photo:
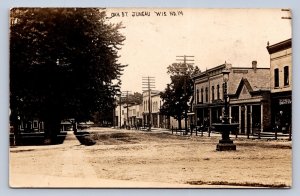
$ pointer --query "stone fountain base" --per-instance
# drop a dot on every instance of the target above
(226, 145)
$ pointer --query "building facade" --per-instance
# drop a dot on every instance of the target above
(281, 83)
(248, 89)
(156, 119)
(135, 115)
(121, 115)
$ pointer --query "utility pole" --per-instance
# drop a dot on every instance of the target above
(185, 59)
(148, 83)
(118, 93)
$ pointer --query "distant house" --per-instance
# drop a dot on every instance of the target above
(37, 126)
(34, 125)
(281, 81)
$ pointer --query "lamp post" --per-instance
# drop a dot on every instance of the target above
(226, 105)
(225, 144)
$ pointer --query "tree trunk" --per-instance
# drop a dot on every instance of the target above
(179, 122)
(16, 133)
(52, 128)
(74, 127)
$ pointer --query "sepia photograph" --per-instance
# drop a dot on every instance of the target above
(150, 98)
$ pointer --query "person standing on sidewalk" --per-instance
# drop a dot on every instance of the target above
(279, 121)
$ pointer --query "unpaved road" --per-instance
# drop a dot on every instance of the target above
(123, 158)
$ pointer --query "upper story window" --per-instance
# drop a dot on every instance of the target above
(154, 106)
(286, 75)
(206, 94)
(197, 96)
(213, 93)
(276, 77)
(218, 91)
(202, 95)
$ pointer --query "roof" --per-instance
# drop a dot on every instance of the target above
(204, 73)
(279, 46)
(246, 83)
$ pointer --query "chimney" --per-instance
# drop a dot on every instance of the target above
(254, 65)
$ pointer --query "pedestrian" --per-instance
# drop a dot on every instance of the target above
(279, 121)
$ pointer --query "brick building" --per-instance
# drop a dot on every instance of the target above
(281, 82)
(249, 93)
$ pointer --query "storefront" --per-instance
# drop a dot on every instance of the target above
(282, 106)
(250, 108)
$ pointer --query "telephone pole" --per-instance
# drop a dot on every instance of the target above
(125, 94)
(184, 69)
(148, 83)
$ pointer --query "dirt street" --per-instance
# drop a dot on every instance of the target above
(130, 158)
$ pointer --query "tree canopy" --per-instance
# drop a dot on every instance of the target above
(63, 63)
(178, 93)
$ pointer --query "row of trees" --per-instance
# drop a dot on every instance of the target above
(179, 92)
(63, 64)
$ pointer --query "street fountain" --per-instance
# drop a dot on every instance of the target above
(225, 144)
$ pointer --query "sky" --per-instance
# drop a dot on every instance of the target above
(212, 36)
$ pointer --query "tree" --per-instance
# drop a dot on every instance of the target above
(178, 93)
(63, 64)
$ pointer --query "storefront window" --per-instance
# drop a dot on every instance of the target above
(256, 116)
(235, 112)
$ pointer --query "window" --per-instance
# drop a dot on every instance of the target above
(202, 95)
(218, 91)
(276, 77)
(286, 75)
(213, 93)
(146, 105)
(206, 94)
(122, 112)
(197, 96)
(35, 124)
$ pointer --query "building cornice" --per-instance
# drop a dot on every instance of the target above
(280, 46)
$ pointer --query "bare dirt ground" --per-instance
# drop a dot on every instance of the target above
(130, 158)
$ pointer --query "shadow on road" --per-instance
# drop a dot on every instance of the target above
(36, 139)
(85, 138)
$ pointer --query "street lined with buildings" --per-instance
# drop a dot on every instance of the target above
(259, 97)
